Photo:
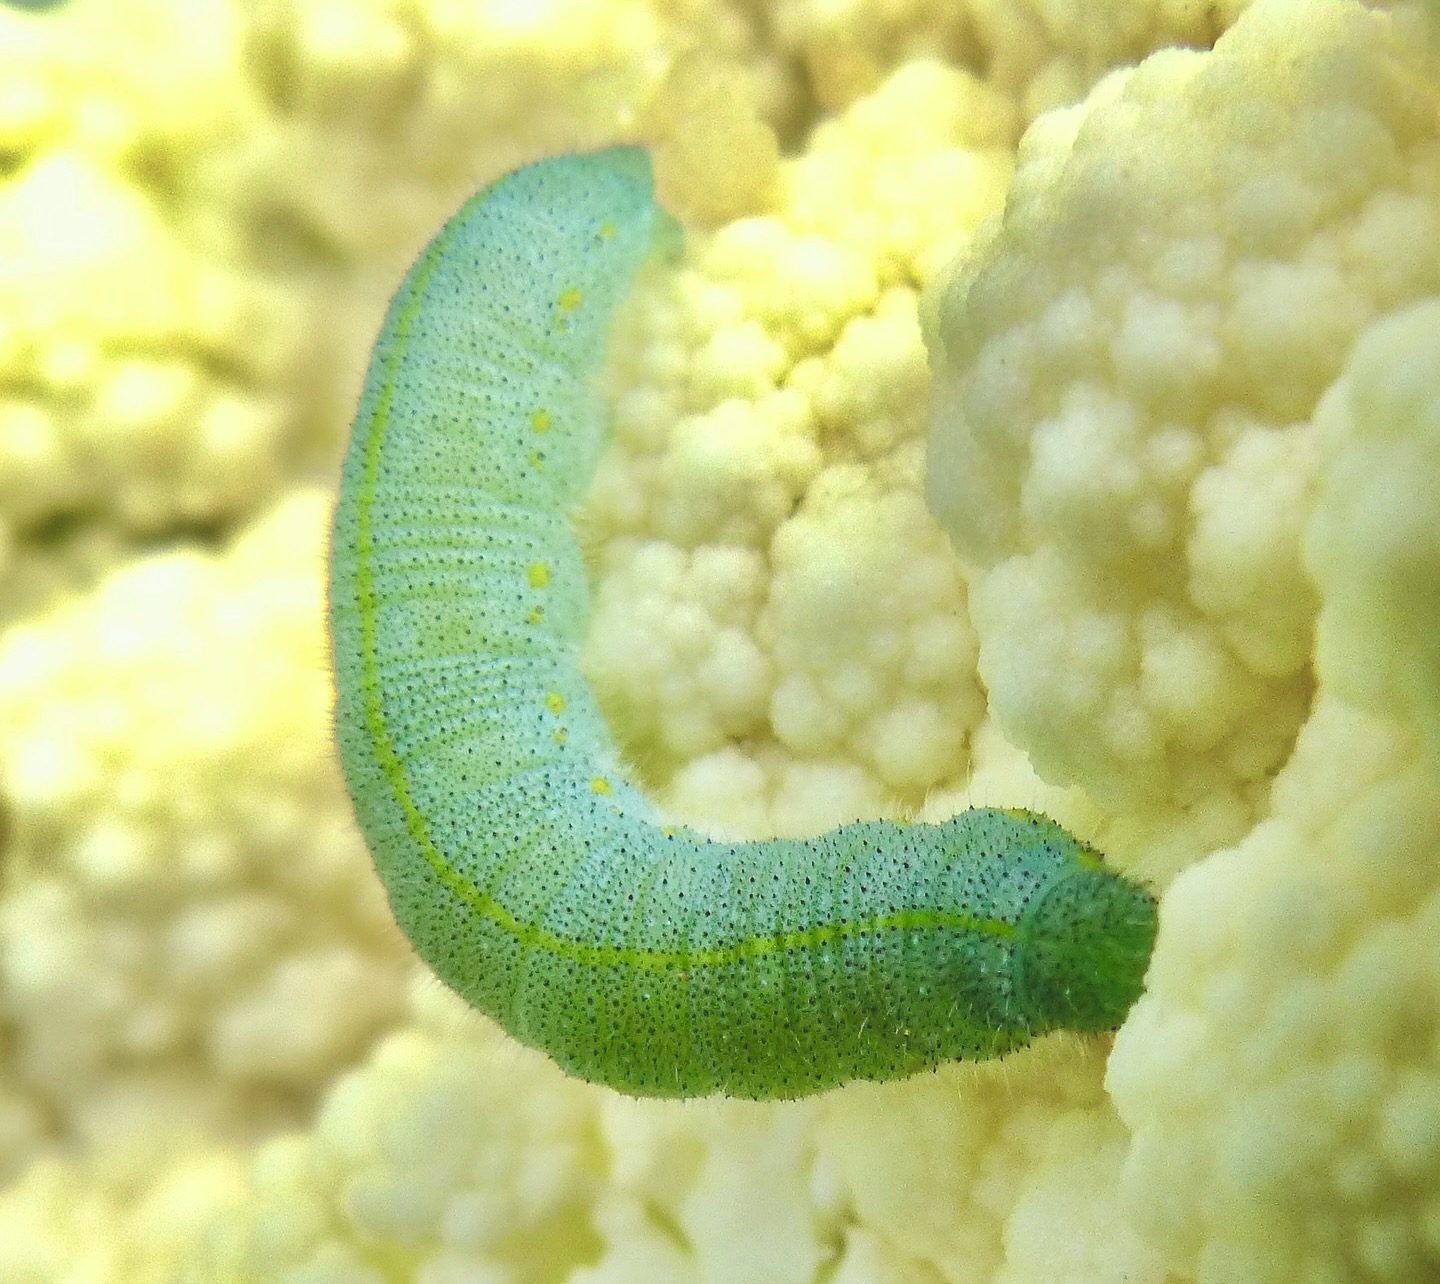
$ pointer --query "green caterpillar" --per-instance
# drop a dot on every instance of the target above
(525, 870)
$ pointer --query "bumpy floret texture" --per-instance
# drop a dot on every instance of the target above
(758, 521)
(143, 372)
(1373, 542)
(453, 1155)
(190, 932)
(1125, 378)
(194, 194)
(1176, 478)
(450, 1156)
(91, 1223)
(1282, 1075)
(393, 108)
(1042, 53)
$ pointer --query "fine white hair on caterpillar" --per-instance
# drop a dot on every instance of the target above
(526, 871)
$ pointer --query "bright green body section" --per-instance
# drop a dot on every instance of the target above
(524, 869)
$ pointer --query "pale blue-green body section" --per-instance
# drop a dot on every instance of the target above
(526, 871)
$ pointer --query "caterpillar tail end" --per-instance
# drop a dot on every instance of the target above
(1088, 946)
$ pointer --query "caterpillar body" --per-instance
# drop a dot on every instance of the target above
(526, 871)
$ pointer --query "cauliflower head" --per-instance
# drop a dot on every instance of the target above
(145, 374)
(1197, 587)
(1281, 1076)
(1126, 375)
(1042, 53)
(202, 203)
(1186, 437)
(191, 936)
(764, 483)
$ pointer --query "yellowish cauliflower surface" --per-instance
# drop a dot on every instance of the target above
(191, 935)
(203, 203)
(1182, 385)
(1125, 379)
(1372, 542)
(1282, 1075)
(1164, 477)
(764, 485)
(451, 1155)
(1043, 53)
(148, 372)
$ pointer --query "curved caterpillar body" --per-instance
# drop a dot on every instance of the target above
(525, 870)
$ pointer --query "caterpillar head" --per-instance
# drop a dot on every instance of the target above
(1084, 948)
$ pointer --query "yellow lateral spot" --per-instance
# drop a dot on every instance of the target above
(540, 421)
(537, 615)
(607, 231)
(561, 736)
(570, 299)
(539, 575)
(599, 785)
(555, 702)
(537, 461)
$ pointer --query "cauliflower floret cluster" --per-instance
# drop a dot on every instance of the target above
(1199, 578)
(1125, 378)
(1169, 480)
(1042, 53)
(68, 1222)
(454, 1155)
(1286, 1059)
(451, 1155)
(195, 194)
(191, 935)
(401, 109)
(144, 375)
(1373, 543)
(764, 485)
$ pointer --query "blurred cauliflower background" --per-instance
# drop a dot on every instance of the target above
(1156, 337)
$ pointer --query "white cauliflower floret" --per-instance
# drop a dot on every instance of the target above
(732, 1181)
(1282, 1073)
(193, 196)
(1374, 542)
(451, 1156)
(454, 1155)
(697, 614)
(55, 1225)
(1051, 52)
(400, 110)
(849, 46)
(1125, 374)
(873, 650)
(192, 935)
(143, 371)
(1044, 53)
(137, 379)
(807, 656)
(997, 1172)
(95, 1226)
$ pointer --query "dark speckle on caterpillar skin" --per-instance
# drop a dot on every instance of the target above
(525, 869)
